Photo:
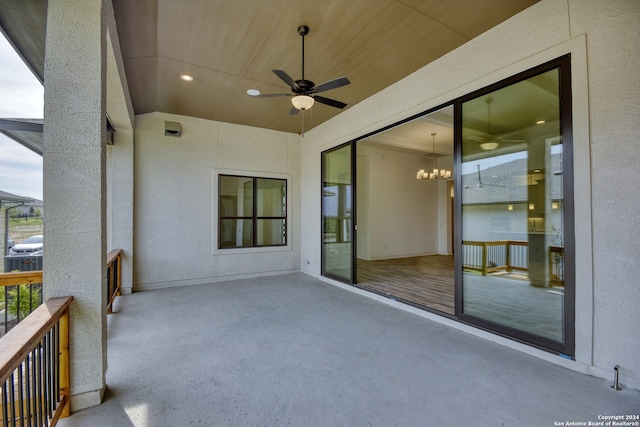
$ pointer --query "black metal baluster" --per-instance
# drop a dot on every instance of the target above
(30, 298)
(46, 378)
(27, 397)
(12, 399)
(34, 383)
(21, 394)
(6, 308)
(5, 402)
(40, 409)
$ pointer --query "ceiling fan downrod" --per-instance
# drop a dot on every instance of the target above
(303, 30)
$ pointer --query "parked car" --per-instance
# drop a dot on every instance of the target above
(33, 246)
(9, 244)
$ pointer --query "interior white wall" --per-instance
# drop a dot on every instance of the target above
(399, 212)
(176, 199)
(601, 37)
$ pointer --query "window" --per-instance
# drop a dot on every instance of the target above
(252, 212)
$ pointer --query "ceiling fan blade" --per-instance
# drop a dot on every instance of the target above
(287, 79)
(476, 138)
(332, 84)
(293, 111)
(331, 102)
(269, 95)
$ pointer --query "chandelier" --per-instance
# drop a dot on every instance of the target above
(437, 173)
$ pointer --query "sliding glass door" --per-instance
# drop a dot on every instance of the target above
(338, 213)
(485, 232)
(515, 165)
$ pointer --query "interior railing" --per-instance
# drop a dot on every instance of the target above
(34, 367)
(508, 255)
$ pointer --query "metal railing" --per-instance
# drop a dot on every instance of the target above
(34, 367)
(508, 255)
(20, 294)
(114, 276)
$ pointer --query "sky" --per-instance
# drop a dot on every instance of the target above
(21, 96)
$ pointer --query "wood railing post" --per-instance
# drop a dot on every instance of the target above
(508, 255)
(114, 277)
(484, 258)
(118, 274)
(65, 383)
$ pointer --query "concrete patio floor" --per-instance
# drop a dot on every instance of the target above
(293, 350)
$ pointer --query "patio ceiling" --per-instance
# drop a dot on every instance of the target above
(230, 47)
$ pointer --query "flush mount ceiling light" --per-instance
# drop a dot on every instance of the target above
(253, 92)
(488, 146)
(186, 77)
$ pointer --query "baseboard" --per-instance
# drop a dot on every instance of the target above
(141, 287)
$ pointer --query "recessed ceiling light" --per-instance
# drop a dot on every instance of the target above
(539, 122)
(253, 92)
(186, 77)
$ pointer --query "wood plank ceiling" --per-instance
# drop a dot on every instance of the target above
(232, 46)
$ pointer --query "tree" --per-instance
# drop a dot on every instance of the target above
(29, 300)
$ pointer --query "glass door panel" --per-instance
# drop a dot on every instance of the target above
(337, 214)
(405, 211)
(512, 208)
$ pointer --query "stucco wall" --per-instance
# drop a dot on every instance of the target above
(602, 38)
(176, 185)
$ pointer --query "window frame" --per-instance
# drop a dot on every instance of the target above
(254, 218)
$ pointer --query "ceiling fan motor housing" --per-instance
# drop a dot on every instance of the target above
(305, 86)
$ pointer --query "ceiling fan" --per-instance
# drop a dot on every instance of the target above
(481, 184)
(492, 141)
(304, 92)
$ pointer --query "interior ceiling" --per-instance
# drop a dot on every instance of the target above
(232, 46)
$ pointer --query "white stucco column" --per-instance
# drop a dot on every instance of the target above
(74, 185)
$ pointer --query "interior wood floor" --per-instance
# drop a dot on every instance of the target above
(423, 280)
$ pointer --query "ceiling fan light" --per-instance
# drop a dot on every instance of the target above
(488, 146)
(302, 102)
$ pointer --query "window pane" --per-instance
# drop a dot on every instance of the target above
(271, 232)
(512, 207)
(235, 233)
(272, 197)
(236, 196)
